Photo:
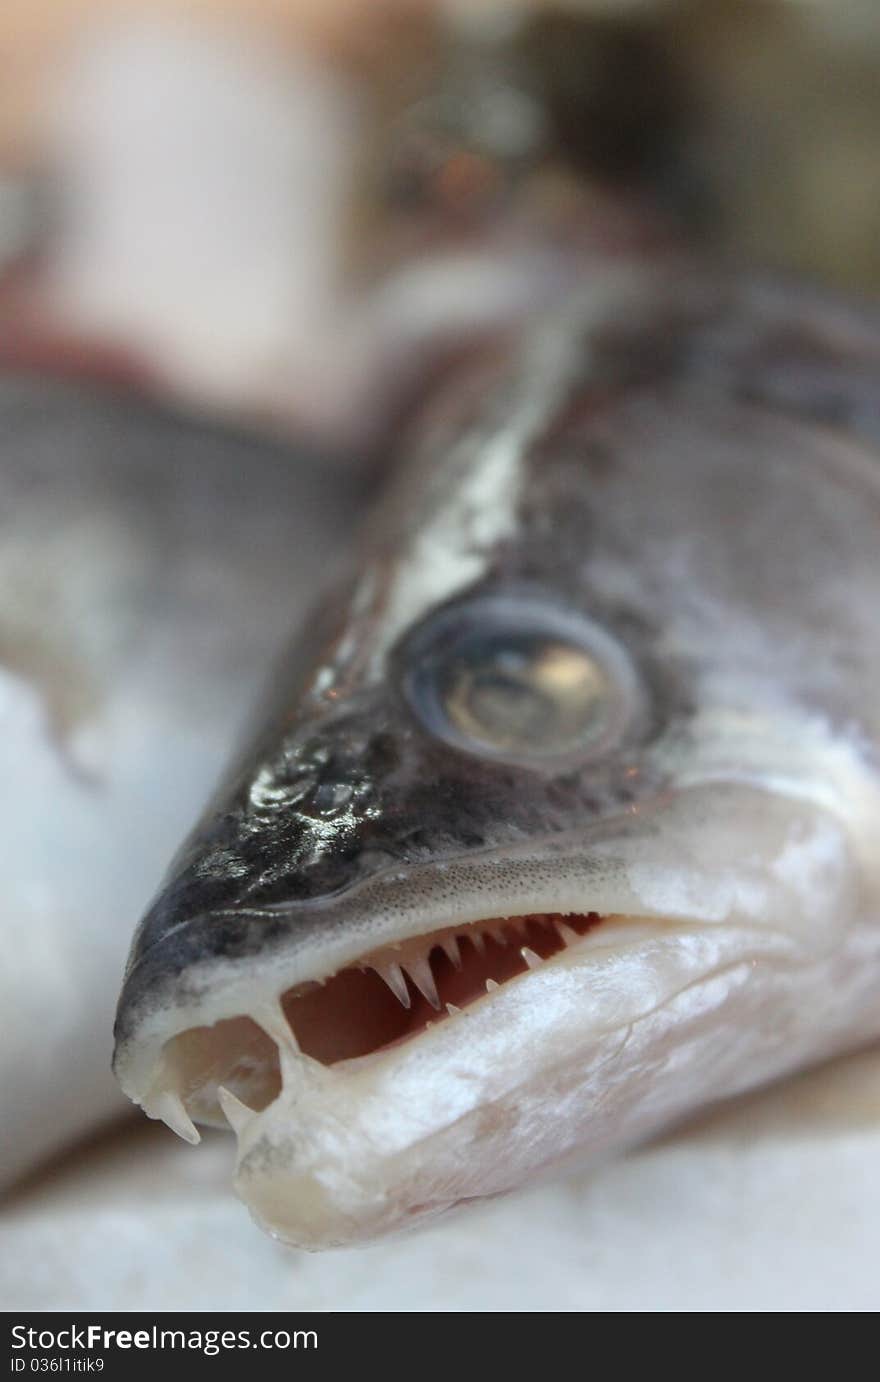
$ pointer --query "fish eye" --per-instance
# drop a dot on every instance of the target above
(522, 680)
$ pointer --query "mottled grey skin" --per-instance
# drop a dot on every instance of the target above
(702, 466)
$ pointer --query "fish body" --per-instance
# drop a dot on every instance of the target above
(149, 563)
(562, 822)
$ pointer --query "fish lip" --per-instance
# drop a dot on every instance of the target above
(203, 990)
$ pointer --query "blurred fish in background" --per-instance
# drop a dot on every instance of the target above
(236, 242)
(149, 565)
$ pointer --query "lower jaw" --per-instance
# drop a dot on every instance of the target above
(599, 1049)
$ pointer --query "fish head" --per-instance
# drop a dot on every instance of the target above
(563, 828)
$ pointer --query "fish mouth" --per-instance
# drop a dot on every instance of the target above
(386, 969)
(366, 1010)
(396, 993)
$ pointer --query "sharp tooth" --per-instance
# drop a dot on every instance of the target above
(452, 1010)
(498, 933)
(273, 1020)
(422, 975)
(566, 934)
(391, 972)
(452, 949)
(531, 959)
(479, 941)
(169, 1107)
(492, 985)
(238, 1114)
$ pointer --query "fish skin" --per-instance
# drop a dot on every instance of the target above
(691, 463)
(146, 576)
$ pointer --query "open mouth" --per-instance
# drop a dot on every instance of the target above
(386, 997)
(397, 992)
